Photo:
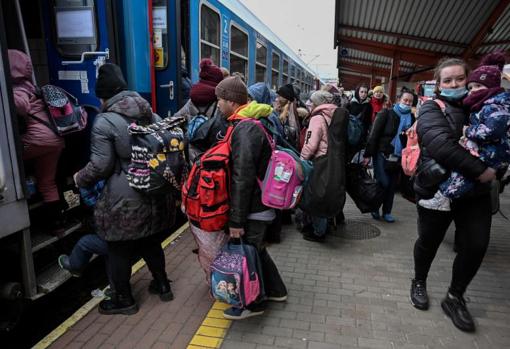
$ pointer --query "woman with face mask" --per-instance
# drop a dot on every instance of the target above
(439, 132)
(384, 146)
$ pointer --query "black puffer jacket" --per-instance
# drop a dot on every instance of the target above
(383, 131)
(250, 156)
(439, 135)
(121, 213)
(363, 110)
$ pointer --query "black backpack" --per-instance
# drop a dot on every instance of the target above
(324, 193)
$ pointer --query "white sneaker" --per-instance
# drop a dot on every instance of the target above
(439, 202)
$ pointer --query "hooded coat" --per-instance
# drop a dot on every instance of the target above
(260, 93)
(26, 101)
(316, 139)
(121, 213)
(250, 156)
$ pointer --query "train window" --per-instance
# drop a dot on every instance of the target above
(275, 73)
(75, 27)
(260, 67)
(210, 34)
(160, 33)
(292, 74)
(238, 51)
(285, 71)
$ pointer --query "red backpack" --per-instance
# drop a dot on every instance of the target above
(411, 153)
(205, 194)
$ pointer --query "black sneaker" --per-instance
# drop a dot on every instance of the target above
(162, 289)
(419, 297)
(118, 304)
(455, 308)
(313, 237)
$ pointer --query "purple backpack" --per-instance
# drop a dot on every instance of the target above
(236, 276)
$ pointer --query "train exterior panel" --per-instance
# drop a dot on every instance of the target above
(153, 42)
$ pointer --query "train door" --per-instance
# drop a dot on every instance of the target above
(166, 34)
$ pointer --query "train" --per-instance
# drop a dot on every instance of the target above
(157, 43)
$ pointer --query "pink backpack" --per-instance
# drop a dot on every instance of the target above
(283, 182)
(411, 153)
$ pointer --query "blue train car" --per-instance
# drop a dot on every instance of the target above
(156, 43)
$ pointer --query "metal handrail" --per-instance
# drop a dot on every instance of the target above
(105, 53)
(2, 174)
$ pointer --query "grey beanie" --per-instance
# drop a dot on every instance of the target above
(321, 97)
(232, 89)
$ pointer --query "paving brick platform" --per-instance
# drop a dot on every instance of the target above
(342, 294)
(355, 293)
(157, 324)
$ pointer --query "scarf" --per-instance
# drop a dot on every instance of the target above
(404, 124)
(476, 99)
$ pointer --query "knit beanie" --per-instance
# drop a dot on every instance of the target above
(488, 72)
(287, 92)
(110, 81)
(209, 71)
(321, 97)
(378, 89)
(232, 89)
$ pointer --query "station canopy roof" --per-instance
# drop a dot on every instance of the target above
(381, 40)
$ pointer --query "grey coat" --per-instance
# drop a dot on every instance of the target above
(121, 213)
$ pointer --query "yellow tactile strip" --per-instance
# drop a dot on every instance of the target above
(91, 304)
(213, 329)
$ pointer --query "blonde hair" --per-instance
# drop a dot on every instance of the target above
(285, 113)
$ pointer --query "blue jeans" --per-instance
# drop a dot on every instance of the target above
(320, 225)
(87, 246)
(388, 181)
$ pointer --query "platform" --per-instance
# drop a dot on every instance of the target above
(342, 294)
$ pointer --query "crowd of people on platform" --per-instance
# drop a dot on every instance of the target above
(464, 141)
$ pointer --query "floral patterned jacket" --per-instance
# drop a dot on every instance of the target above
(490, 130)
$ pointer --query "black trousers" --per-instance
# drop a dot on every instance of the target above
(254, 232)
(122, 253)
(472, 219)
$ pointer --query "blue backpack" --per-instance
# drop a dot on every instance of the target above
(236, 275)
(197, 121)
(354, 130)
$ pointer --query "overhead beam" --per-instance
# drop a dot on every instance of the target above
(366, 69)
(487, 25)
(495, 43)
(421, 57)
(400, 36)
(370, 61)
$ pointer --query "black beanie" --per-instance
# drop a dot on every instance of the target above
(110, 81)
(287, 92)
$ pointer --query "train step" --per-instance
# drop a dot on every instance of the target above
(41, 240)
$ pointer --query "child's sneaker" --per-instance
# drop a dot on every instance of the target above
(63, 262)
(240, 313)
(439, 203)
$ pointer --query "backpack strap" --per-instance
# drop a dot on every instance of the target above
(259, 124)
(45, 123)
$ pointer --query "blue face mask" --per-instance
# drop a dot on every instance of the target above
(454, 93)
(403, 108)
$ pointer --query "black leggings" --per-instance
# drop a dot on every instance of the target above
(472, 219)
(121, 254)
